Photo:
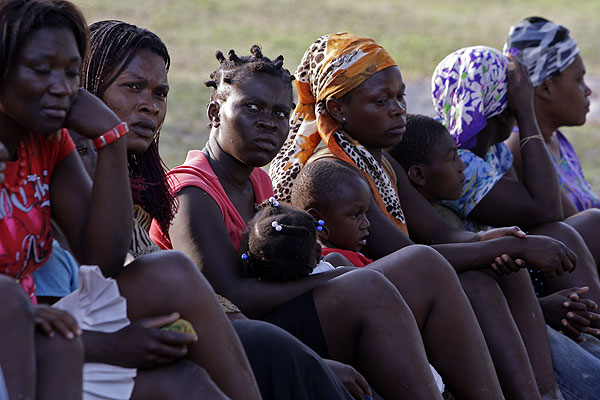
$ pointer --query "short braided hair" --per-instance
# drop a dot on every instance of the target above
(113, 44)
(422, 134)
(320, 184)
(20, 18)
(234, 69)
(279, 255)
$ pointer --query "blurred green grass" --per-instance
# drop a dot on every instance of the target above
(418, 34)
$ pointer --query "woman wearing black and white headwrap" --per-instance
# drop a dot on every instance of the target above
(561, 98)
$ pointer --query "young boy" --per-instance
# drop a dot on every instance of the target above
(429, 155)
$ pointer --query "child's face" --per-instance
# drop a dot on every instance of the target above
(444, 177)
(346, 221)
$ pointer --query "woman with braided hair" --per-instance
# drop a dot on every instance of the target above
(354, 316)
(127, 68)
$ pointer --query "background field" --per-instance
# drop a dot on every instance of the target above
(418, 34)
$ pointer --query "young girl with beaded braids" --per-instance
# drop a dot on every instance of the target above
(280, 243)
(355, 316)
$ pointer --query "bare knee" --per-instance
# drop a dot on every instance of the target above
(427, 264)
(593, 214)
(57, 350)
(170, 273)
(59, 364)
(364, 289)
(14, 301)
(558, 230)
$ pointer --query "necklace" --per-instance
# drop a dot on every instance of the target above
(22, 170)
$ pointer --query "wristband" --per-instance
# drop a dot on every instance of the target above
(110, 136)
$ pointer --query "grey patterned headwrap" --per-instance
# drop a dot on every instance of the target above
(544, 47)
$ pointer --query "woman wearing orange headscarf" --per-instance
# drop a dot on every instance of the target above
(351, 108)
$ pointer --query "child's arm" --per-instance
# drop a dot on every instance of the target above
(540, 252)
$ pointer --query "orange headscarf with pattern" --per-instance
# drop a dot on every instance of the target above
(333, 66)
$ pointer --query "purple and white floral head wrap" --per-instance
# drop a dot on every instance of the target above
(544, 47)
(468, 87)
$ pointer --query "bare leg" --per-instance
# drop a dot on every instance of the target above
(180, 380)
(528, 316)
(17, 348)
(502, 335)
(367, 324)
(59, 367)
(452, 337)
(35, 366)
(587, 223)
(586, 272)
(166, 282)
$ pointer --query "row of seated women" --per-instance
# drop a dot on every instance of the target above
(379, 316)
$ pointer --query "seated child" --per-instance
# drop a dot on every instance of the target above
(338, 195)
(430, 157)
(280, 244)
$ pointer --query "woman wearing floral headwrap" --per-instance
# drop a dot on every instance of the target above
(561, 98)
(351, 108)
(492, 194)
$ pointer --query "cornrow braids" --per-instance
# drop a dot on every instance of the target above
(422, 134)
(279, 244)
(113, 44)
(320, 184)
(234, 69)
(20, 18)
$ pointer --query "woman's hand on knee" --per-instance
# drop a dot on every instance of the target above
(142, 344)
(50, 320)
(354, 382)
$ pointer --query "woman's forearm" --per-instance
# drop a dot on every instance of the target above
(538, 172)
(256, 298)
(109, 226)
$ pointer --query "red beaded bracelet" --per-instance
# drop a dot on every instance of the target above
(107, 138)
